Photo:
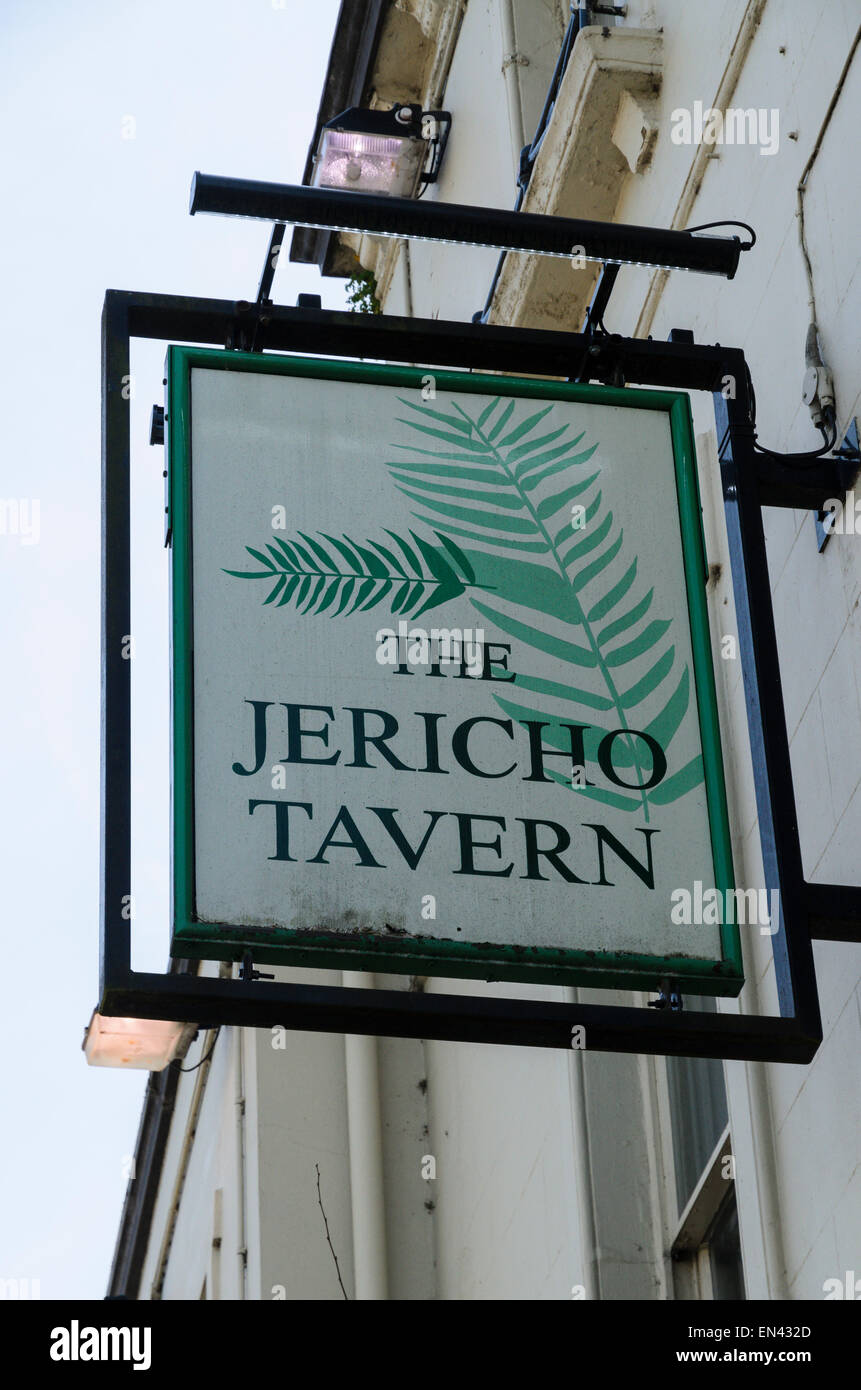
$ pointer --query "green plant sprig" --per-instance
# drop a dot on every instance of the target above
(310, 572)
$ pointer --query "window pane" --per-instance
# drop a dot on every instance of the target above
(698, 1110)
(725, 1253)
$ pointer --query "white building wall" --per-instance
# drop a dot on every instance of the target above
(815, 1110)
(552, 1170)
(796, 1129)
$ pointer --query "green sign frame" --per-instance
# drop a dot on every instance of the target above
(193, 938)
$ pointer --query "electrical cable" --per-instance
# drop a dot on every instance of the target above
(795, 460)
(791, 460)
(208, 1055)
(802, 182)
(729, 222)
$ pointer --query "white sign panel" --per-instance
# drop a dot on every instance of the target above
(443, 691)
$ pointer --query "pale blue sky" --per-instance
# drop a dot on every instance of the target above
(227, 87)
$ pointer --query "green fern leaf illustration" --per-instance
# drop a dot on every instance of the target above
(342, 575)
(505, 491)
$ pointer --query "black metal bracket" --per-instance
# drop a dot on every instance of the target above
(156, 425)
(795, 482)
(247, 971)
(248, 319)
(598, 360)
(807, 910)
(669, 997)
(849, 456)
(276, 241)
(436, 144)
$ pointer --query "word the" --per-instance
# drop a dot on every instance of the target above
(446, 646)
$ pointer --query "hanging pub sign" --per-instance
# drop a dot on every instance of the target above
(443, 693)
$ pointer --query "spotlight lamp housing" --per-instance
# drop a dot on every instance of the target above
(135, 1044)
(396, 153)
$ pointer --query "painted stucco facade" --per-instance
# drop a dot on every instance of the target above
(457, 1171)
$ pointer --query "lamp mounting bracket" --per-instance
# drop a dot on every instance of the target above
(242, 334)
(825, 520)
(436, 128)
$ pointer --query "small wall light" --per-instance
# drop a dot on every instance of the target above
(138, 1044)
(391, 152)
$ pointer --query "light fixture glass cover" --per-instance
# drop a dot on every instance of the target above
(141, 1044)
(363, 163)
(376, 151)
